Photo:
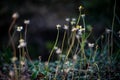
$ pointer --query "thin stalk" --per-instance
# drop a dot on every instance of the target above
(70, 48)
(63, 40)
(113, 28)
(54, 46)
(10, 36)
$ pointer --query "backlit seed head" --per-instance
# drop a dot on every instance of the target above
(19, 28)
(83, 15)
(75, 57)
(15, 15)
(108, 30)
(22, 43)
(14, 59)
(11, 73)
(46, 63)
(90, 45)
(65, 27)
(73, 19)
(21, 40)
(67, 19)
(58, 51)
(58, 26)
(26, 21)
(73, 22)
(80, 7)
(22, 63)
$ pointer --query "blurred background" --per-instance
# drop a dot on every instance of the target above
(44, 15)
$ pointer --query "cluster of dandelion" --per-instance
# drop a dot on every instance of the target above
(77, 58)
(18, 59)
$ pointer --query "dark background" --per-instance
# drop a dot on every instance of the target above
(45, 14)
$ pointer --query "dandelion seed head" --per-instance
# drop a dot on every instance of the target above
(22, 43)
(83, 15)
(19, 28)
(46, 63)
(26, 21)
(15, 15)
(90, 45)
(22, 63)
(80, 7)
(75, 57)
(67, 19)
(58, 51)
(73, 19)
(14, 59)
(11, 73)
(108, 30)
(21, 40)
(65, 27)
(73, 22)
(58, 26)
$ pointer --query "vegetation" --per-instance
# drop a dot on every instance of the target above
(77, 57)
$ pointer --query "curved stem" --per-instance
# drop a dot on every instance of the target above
(53, 46)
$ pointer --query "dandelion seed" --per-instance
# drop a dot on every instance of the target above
(58, 51)
(21, 40)
(14, 59)
(19, 28)
(108, 30)
(83, 15)
(80, 7)
(22, 63)
(11, 73)
(75, 57)
(67, 19)
(46, 63)
(58, 26)
(22, 43)
(26, 21)
(90, 45)
(15, 15)
(73, 22)
(65, 27)
(73, 19)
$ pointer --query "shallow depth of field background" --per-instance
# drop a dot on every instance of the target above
(45, 14)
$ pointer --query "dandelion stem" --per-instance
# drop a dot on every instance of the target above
(10, 36)
(63, 41)
(54, 46)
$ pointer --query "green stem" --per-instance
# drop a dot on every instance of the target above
(54, 46)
